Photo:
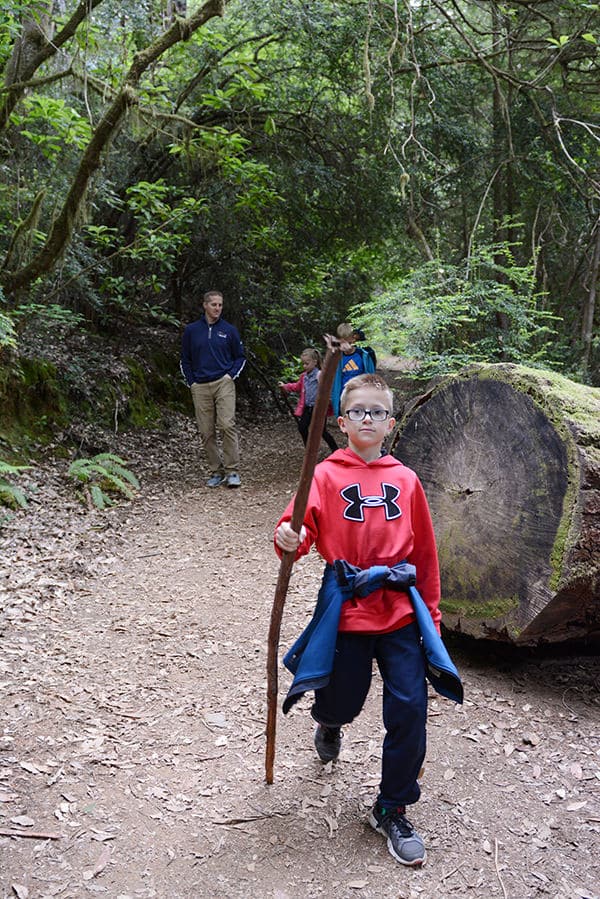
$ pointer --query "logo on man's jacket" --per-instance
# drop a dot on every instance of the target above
(358, 503)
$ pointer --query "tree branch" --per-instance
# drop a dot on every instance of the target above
(50, 47)
(37, 82)
(62, 226)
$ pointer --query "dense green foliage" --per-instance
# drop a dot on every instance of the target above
(308, 159)
(444, 316)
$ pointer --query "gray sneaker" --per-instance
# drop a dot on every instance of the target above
(403, 842)
(233, 480)
(328, 741)
(215, 480)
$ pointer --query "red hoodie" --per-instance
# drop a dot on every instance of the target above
(372, 513)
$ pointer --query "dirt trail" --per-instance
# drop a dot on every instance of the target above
(132, 689)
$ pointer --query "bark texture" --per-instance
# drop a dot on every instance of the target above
(510, 461)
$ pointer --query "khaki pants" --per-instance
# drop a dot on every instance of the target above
(214, 405)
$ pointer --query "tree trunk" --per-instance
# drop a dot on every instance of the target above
(587, 325)
(510, 460)
(36, 32)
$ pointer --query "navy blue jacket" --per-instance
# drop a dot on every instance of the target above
(208, 352)
(311, 657)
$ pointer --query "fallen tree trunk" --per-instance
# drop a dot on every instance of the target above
(510, 460)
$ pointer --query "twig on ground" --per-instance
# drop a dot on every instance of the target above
(30, 834)
(232, 822)
(504, 893)
(450, 873)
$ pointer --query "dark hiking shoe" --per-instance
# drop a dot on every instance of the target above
(328, 741)
(215, 480)
(403, 842)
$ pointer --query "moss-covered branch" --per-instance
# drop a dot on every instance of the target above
(62, 226)
(31, 51)
(38, 82)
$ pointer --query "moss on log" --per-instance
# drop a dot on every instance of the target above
(510, 461)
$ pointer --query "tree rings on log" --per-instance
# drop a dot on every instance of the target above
(510, 461)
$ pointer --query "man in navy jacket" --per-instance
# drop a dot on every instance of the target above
(212, 356)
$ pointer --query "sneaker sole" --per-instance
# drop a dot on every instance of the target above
(416, 863)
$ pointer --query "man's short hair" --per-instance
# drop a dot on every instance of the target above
(366, 380)
(211, 293)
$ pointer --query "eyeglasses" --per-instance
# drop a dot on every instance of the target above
(360, 414)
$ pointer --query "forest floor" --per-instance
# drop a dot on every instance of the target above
(133, 704)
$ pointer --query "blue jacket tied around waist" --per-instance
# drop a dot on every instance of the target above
(311, 657)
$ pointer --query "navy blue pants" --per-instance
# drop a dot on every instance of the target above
(400, 661)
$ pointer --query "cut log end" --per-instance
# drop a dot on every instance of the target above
(514, 492)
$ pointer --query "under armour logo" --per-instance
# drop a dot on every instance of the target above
(357, 503)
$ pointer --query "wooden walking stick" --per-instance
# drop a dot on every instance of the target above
(311, 452)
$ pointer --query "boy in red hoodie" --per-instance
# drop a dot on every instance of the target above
(368, 509)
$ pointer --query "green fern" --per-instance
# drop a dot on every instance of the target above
(99, 499)
(11, 495)
(102, 475)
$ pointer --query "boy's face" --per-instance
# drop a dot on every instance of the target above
(347, 347)
(365, 437)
